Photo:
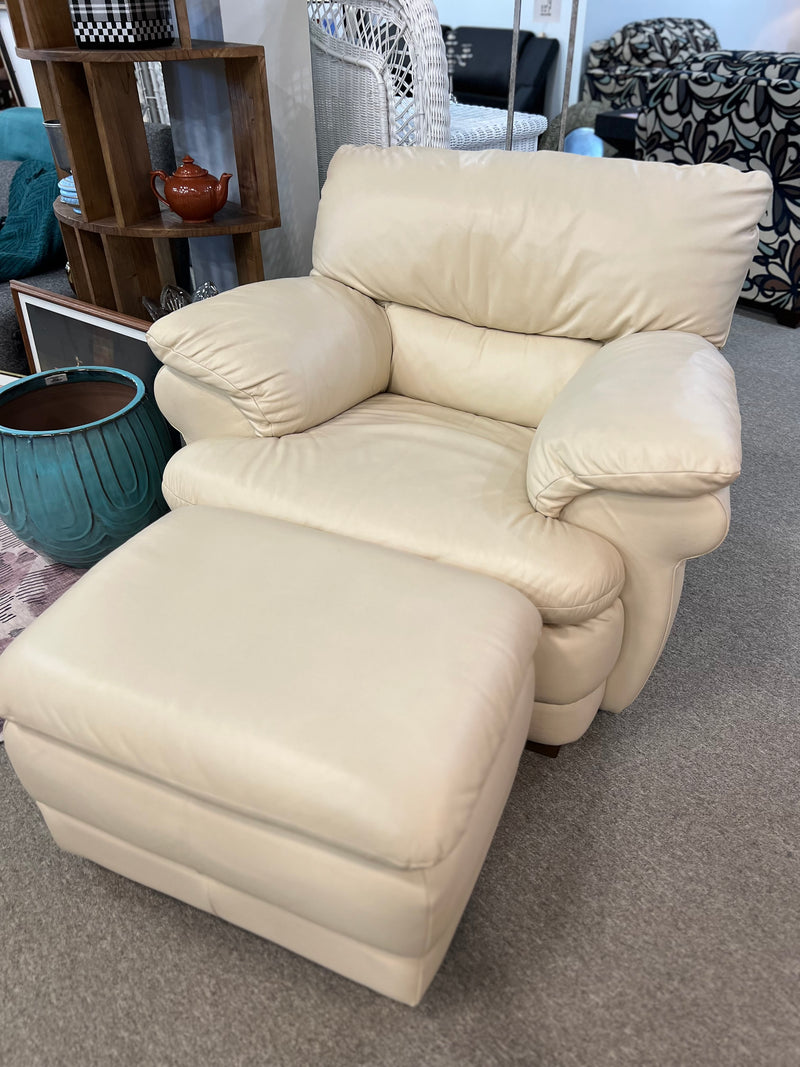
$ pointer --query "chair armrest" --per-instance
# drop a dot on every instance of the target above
(655, 536)
(652, 413)
(289, 354)
(598, 54)
(198, 411)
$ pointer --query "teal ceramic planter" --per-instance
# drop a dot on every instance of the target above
(82, 452)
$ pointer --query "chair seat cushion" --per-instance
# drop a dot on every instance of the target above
(407, 474)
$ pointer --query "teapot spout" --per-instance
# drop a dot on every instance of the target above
(222, 190)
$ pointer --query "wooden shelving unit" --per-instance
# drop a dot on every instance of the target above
(118, 246)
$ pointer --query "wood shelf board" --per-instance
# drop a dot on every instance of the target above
(47, 96)
(199, 50)
(118, 117)
(255, 160)
(249, 261)
(230, 220)
(44, 23)
(18, 27)
(71, 93)
(182, 21)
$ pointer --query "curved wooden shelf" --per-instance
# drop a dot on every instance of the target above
(230, 220)
(199, 50)
(124, 246)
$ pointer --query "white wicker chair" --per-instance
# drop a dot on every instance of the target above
(380, 76)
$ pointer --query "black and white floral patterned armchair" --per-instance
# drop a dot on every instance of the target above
(618, 71)
(741, 109)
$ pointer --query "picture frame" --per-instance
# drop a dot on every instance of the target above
(60, 331)
(7, 378)
(7, 59)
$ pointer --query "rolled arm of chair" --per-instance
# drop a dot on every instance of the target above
(285, 354)
(653, 413)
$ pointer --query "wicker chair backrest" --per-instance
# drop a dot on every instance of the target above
(380, 77)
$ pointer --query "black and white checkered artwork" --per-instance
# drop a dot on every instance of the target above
(121, 23)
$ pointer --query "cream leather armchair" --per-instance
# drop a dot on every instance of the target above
(505, 361)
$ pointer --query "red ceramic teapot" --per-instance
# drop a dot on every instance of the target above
(192, 192)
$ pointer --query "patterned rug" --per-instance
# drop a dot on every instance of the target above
(28, 585)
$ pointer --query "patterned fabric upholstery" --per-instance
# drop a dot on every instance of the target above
(771, 65)
(618, 70)
(743, 109)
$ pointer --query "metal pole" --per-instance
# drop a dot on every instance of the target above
(573, 26)
(512, 79)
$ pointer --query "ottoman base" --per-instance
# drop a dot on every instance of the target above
(402, 978)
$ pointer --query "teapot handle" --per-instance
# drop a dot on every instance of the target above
(158, 174)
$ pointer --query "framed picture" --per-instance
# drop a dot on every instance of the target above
(59, 331)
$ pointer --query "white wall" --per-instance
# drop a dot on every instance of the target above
(739, 23)
(501, 13)
(22, 68)
(782, 32)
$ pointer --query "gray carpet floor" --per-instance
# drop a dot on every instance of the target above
(640, 904)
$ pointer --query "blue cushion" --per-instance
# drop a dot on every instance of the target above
(22, 134)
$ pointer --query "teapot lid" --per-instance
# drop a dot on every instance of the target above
(189, 169)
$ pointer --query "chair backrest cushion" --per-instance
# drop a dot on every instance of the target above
(483, 80)
(508, 376)
(488, 68)
(662, 42)
(542, 242)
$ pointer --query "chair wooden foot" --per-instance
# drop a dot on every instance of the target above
(551, 751)
(788, 318)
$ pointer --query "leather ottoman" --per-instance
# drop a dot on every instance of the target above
(310, 736)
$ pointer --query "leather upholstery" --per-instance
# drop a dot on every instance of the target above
(509, 376)
(655, 536)
(573, 660)
(580, 296)
(555, 724)
(367, 708)
(346, 354)
(653, 413)
(340, 782)
(542, 242)
(199, 409)
(407, 474)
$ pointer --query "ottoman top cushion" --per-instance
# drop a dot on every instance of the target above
(339, 689)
